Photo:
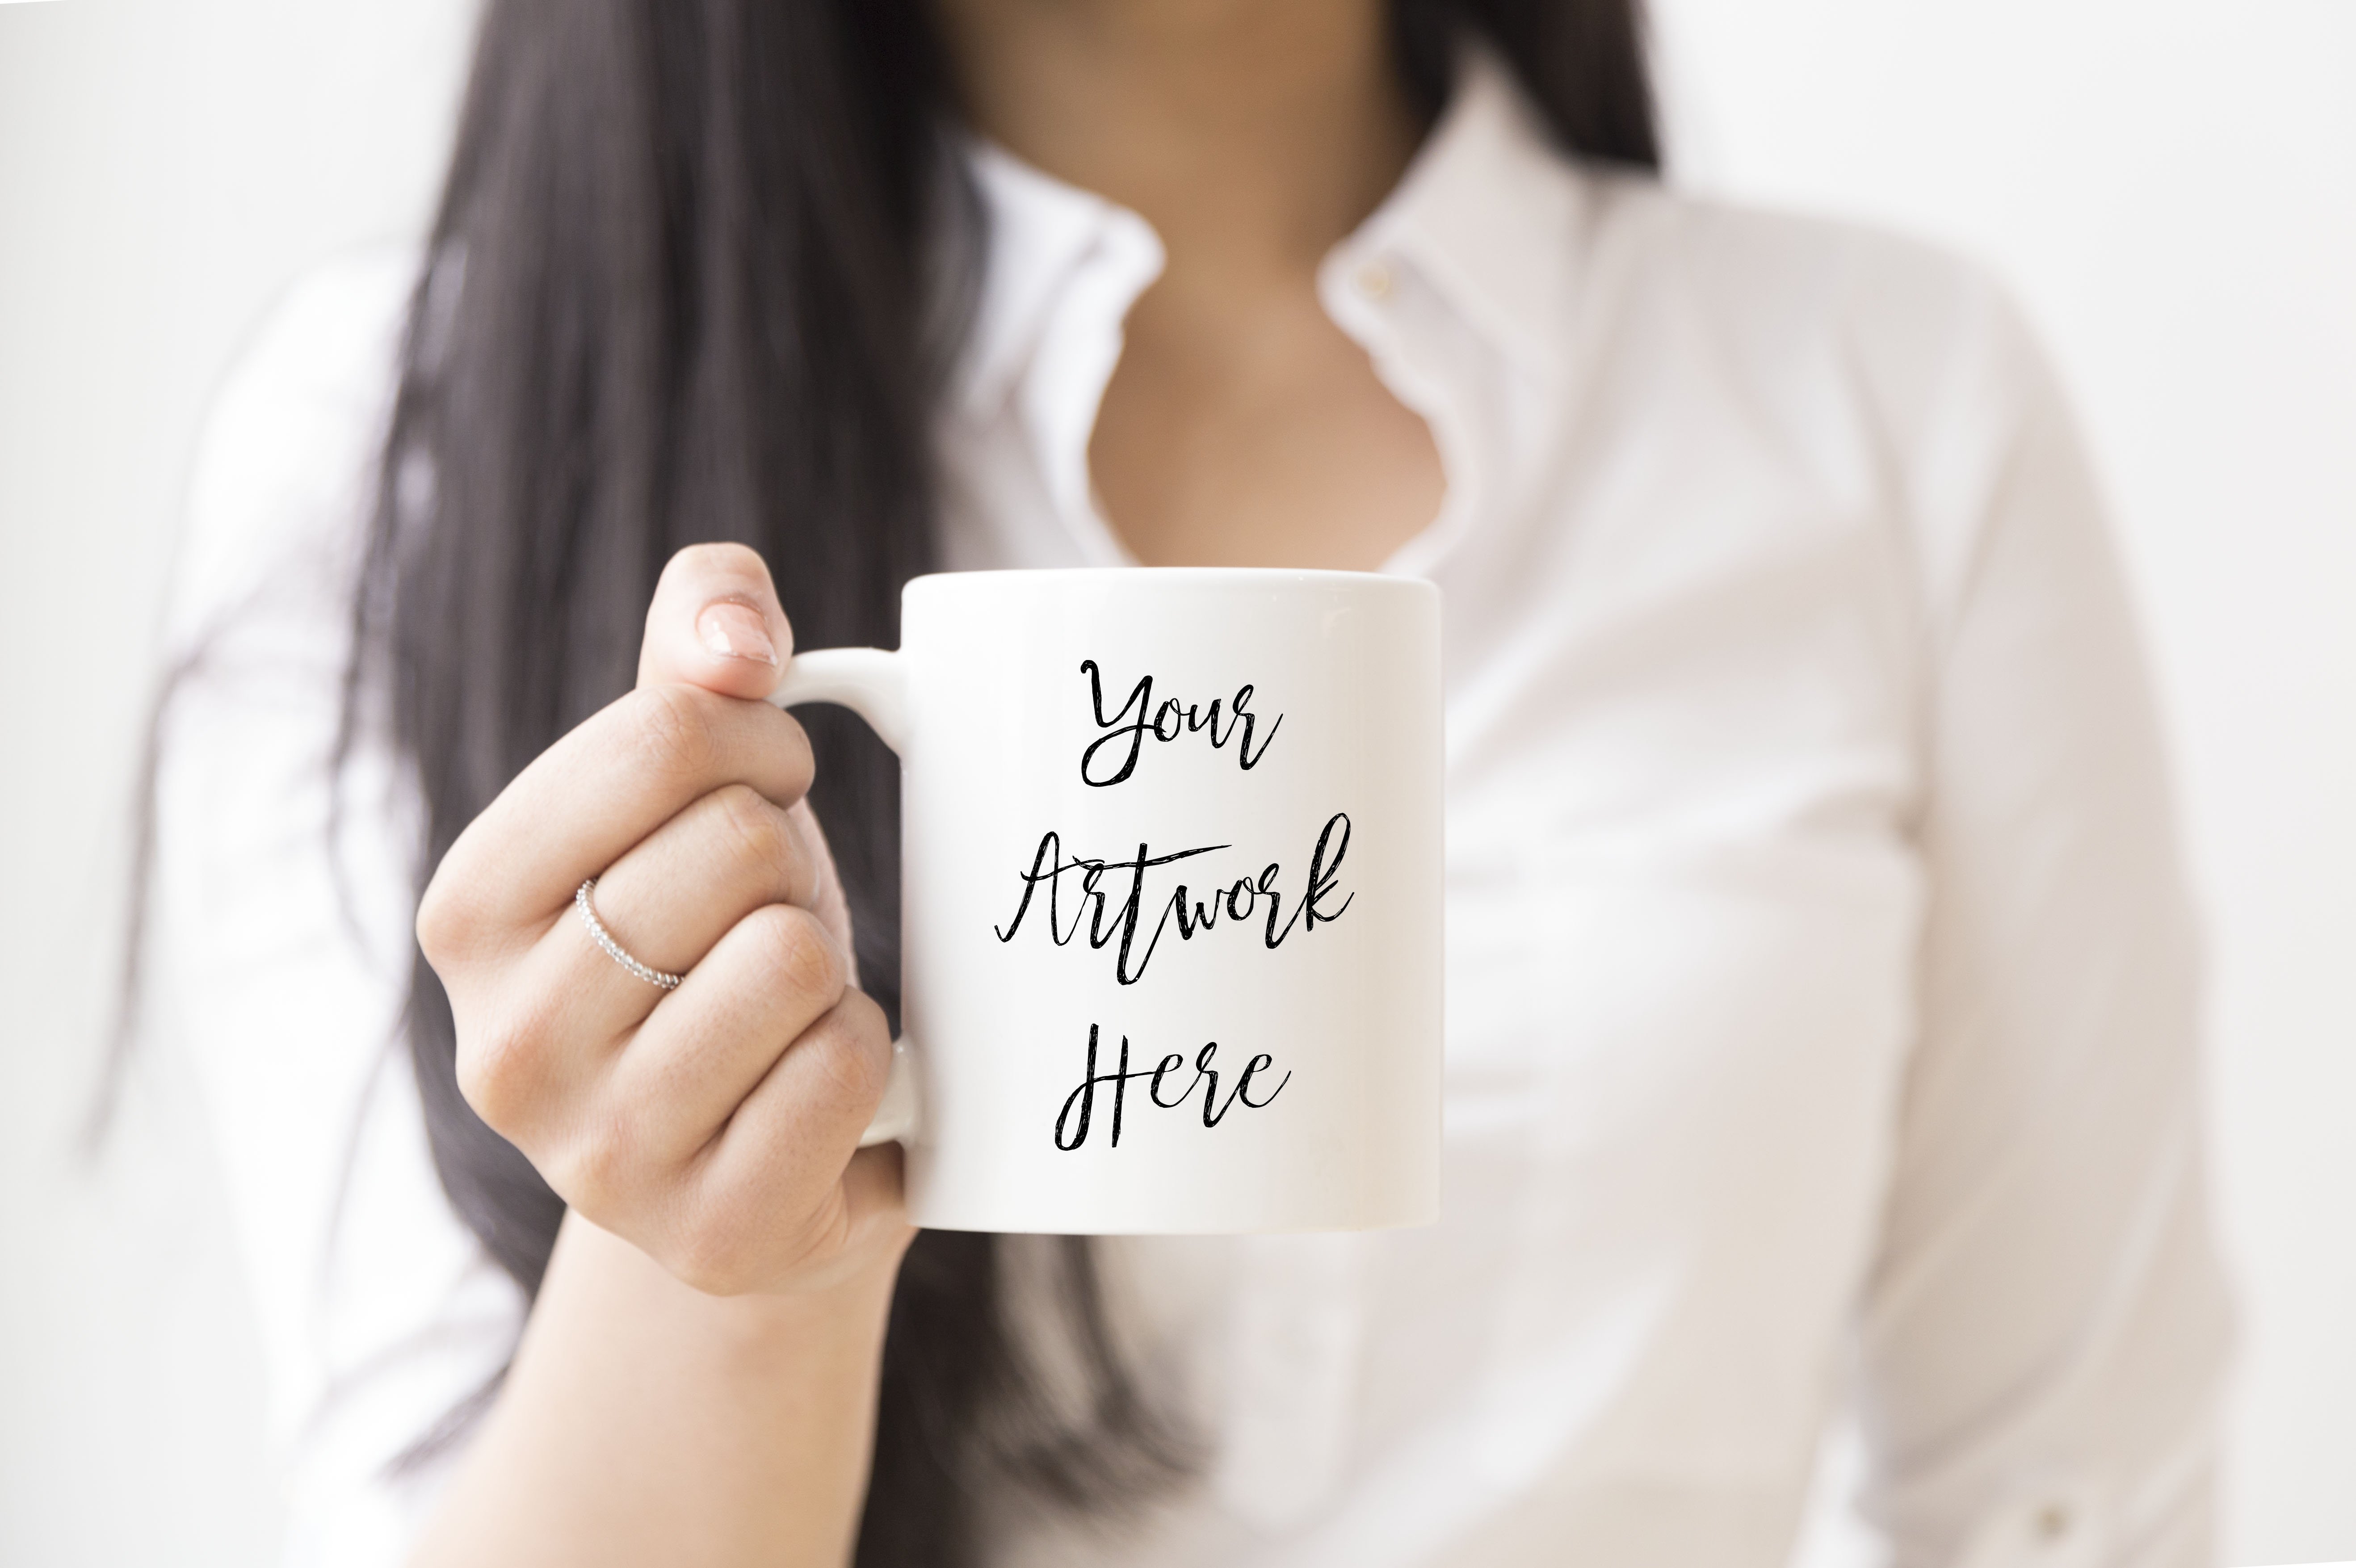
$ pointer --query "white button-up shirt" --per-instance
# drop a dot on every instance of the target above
(1821, 989)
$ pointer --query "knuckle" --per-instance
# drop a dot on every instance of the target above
(449, 925)
(500, 1072)
(850, 1047)
(756, 830)
(791, 745)
(801, 956)
(805, 874)
(678, 731)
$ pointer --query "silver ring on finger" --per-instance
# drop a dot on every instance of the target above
(615, 950)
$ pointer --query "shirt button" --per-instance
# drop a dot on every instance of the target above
(1374, 280)
(2052, 1523)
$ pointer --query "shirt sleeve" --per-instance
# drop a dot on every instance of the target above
(280, 962)
(2045, 1328)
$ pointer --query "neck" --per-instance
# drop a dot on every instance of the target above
(1253, 136)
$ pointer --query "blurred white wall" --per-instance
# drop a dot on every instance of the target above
(165, 166)
(2171, 187)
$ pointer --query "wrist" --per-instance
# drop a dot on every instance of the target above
(845, 1306)
(678, 1415)
(849, 1299)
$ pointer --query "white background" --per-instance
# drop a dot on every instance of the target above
(2170, 187)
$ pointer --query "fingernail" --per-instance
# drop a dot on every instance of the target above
(736, 631)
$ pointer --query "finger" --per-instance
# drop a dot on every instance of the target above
(560, 1057)
(831, 904)
(796, 1131)
(710, 1045)
(726, 1243)
(715, 623)
(675, 893)
(666, 903)
(584, 802)
(872, 1213)
(530, 1053)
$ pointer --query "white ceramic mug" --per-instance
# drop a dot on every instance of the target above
(1171, 897)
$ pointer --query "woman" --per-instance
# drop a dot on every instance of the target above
(1820, 1010)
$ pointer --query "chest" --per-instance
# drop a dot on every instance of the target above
(1683, 762)
(1682, 905)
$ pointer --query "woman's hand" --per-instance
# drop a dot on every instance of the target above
(715, 1126)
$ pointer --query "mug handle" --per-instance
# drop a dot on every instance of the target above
(872, 683)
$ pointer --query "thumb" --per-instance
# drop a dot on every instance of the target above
(715, 623)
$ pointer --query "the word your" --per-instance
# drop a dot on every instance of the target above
(1138, 717)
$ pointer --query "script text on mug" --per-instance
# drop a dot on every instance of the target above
(1072, 1132)
(1167, 723)
(1239, 898)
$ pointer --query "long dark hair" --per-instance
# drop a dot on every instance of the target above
(695, 276)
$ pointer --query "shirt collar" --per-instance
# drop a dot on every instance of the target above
(1487, 214)
(1043, 235)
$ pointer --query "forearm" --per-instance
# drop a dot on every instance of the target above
(645, 1421)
